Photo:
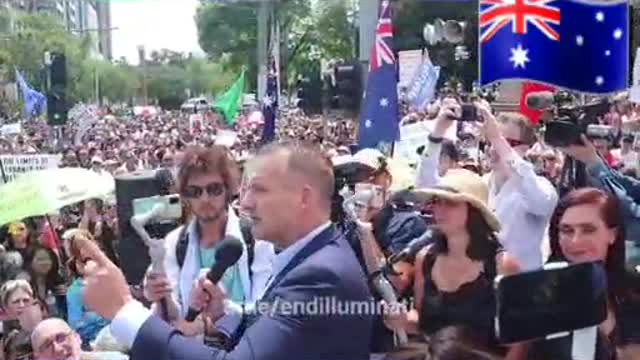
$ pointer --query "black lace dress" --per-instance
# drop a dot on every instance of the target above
(472, 305)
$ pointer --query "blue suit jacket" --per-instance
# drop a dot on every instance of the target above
(325, 268)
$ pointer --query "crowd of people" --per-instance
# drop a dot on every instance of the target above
(491, 194)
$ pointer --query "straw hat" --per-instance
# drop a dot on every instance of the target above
(461, 185)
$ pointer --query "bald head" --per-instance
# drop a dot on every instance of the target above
(304, 163)
(47, 328)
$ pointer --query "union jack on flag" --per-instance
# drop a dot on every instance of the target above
(518, 13)
(588, 51)
(382, 53)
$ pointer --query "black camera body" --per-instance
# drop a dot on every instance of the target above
(571, 122)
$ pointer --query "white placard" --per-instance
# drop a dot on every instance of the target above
(226, 138)
(634, 91)
(412, 136)
(14, 165)
(409, 62)
(11, 129)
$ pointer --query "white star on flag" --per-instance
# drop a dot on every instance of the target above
(617, 34)
(519, 57)
(599, 16)
(384, 102)
(599, 80)
(579, 40)
(367, 123)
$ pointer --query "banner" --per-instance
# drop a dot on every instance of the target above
(14, 165)
(409, 62)
(422, 90)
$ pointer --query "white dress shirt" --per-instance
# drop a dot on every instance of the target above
(523, 205)
(128, 321)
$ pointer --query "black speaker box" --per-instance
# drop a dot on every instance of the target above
(133, 253)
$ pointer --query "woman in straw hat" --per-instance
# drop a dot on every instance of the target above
(454, 276)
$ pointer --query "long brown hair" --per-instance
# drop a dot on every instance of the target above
(611, 214)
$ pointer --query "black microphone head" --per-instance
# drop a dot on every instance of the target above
(229, 251)
(539, 100)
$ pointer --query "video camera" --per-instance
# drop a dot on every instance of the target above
(570, 120)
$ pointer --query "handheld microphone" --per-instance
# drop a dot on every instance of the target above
(385, 289)
(227, 254)
(539, 100)
(414, 246)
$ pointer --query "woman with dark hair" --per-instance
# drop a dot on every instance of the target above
(454, 276)
(20, 239)
(43, 266)
(587, 226)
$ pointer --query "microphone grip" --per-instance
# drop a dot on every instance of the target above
(192, 314)
(389, 295)
(214, 275)
(164, 309)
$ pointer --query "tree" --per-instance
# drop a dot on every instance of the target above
(409, 20)
(228, 32)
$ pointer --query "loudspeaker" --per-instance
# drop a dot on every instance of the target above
(133, 253)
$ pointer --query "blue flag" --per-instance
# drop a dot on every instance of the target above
(570, 44)
(379, 115)
(35, 102)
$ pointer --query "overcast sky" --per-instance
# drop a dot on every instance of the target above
(156, 24)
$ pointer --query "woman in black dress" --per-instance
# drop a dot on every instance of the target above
(453, 283)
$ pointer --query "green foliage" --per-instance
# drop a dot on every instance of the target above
(229, 33)
(169, 73)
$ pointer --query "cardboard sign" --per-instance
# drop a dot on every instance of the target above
(15, 165)
(412, 136)
(409, 62)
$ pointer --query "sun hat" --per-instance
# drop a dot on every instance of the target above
(461, 185)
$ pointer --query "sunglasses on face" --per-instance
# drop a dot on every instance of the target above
(194, 192)
(58, 338)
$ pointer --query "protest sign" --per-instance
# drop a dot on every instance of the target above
(409, 61)
(11, 129)
(14, 165)
(226, 138)
(412, 136)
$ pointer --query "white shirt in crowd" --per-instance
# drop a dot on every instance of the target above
(523, 205)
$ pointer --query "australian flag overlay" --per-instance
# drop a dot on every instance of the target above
(576, 45)
(379, 114)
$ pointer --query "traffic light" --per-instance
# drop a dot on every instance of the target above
(348, 86)
(57, 107)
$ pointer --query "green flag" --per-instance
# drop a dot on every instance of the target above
(229, 102)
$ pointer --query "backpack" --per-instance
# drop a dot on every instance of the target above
(245, 229)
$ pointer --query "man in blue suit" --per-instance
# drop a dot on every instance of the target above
(318, 302)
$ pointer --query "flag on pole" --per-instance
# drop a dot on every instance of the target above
(229, 102)
(35, 102)
(573, 44)
(270, 101)
(379, 115)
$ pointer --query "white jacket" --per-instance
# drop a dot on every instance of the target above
(182, 280)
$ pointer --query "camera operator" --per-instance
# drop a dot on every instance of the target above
(208, 180)
(381, 230)
(599, 175)
(522, 200)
